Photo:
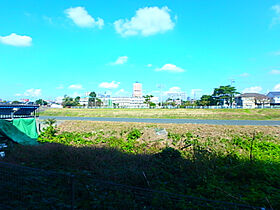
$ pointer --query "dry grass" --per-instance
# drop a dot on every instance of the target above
(230, 114)
(149, 133)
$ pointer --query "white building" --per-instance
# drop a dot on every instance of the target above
(274, 97)
(252, 100)
(137, 90)
(127, 102)
(84, 101)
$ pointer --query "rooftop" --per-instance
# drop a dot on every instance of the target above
(256, 95)
(274, 93)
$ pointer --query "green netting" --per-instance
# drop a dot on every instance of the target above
(22, 131)
(27, 126)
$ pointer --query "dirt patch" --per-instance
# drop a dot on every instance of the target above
(149, 129)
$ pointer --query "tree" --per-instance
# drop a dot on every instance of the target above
(69, 101)
(98, 102)
(116, 105)
(41, 102)
(148, 101)
(207, 100)
(77, 99)
(92, 98)
(16, 102)
(225, 94)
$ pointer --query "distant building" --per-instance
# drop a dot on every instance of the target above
(56, 106)
(84, 101)
(137, 90)
(177, 96)
(274, 98)
(103, 95)
(127, 102)
(24, 100)
(252, 100)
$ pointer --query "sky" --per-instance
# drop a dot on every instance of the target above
(52, 48)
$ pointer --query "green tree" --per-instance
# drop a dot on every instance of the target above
(69, 101)
(98, 102)
(207, 100)
(41, 102)
(77, 99)
(225, 94)
(148, 101)
(92, 98)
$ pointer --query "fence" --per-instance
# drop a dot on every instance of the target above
(28, 188)
(177, 107)
(18, 111)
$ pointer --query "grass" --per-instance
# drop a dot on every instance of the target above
(239, 164)
(217, 114)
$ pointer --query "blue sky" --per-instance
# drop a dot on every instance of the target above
(51, 48)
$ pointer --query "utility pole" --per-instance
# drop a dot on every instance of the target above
(231, 96)
(160, 86)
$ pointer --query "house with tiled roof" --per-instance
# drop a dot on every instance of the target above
(274, 98)
(252, 100)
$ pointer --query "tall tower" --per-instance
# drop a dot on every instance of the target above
(137, 89)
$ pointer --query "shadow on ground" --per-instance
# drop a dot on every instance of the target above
(205, 174)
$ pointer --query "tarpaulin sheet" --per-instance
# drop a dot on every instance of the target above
(22, 131)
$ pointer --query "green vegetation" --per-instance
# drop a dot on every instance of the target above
(240, 165)
(218, 114)
(148, 101)
(68, 101)
(41, 102)
(224, 93)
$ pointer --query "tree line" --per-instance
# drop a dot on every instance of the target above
(223, 95)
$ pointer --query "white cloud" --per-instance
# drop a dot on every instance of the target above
(276, 19)
(76, 87)
(33, 92)
(109, 85)
(82, 19)
(244, 75)
(275, 71)
(18, 94)
(16, 40)
(121, 92)
(255, 89)
(147, 21)
(173, 90)
(149, 65)
(277, 87)
(120, 60)
(170, 68)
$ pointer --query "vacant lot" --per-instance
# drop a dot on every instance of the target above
(149, 129)
(218, 114)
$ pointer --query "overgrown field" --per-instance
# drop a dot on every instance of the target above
(218, 114)
(239, 164)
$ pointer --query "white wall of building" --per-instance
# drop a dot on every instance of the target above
(137, 89)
